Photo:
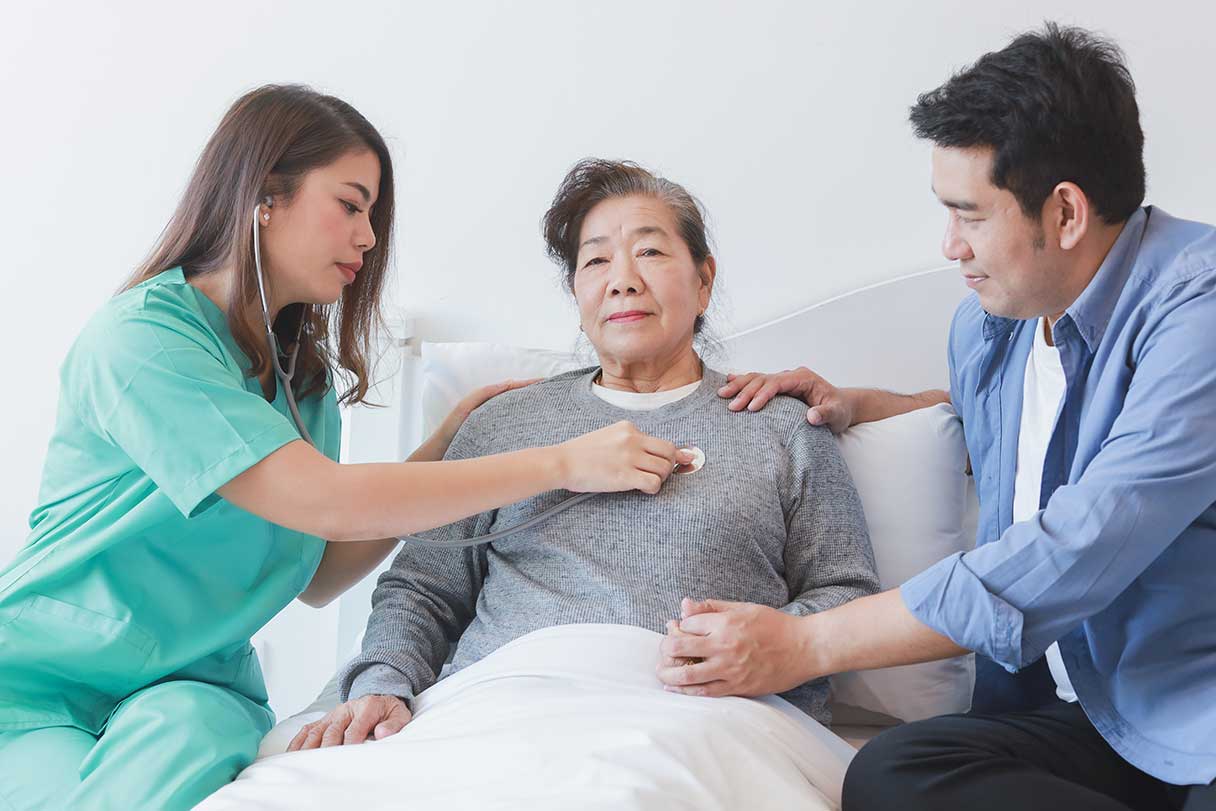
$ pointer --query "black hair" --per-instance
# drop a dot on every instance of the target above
(1054, 105)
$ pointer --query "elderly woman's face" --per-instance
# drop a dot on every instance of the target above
(637, 287)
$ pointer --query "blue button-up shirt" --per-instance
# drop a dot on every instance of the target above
(1120, 565)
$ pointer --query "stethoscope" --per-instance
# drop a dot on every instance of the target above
(285, 375)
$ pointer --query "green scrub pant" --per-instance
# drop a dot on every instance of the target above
(165, 747)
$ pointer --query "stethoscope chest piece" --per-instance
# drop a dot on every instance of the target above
(698, 461)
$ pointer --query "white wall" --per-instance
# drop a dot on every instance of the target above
(787, 119)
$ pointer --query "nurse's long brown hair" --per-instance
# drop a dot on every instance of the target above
(269, 139)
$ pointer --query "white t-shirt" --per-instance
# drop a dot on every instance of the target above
(642, 401)
(1042, 393)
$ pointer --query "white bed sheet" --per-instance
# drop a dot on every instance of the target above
(566, 717)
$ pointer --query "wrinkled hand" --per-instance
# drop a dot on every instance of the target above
(353, 722)
(618, 458)
(829, 405)
(722, 648)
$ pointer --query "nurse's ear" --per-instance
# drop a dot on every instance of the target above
(266, 204)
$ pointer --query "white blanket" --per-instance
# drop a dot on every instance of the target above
(566, 717)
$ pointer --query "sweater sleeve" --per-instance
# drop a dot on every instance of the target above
(422, 603)
(828, 557)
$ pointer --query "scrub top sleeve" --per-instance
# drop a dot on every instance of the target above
(166, 394)
(331, 443)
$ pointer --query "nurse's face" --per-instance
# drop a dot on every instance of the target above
(638, 289)
(313, 244)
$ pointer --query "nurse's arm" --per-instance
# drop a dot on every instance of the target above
(345, 564)
(342, 566)
(299, 488)
(302, 489)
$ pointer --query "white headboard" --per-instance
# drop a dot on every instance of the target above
(890, 335)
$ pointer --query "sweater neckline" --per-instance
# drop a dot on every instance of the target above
(588, 403)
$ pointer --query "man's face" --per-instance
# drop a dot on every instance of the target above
(1006, 257)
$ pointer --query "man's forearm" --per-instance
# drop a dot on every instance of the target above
(870, 405)
(871, 632)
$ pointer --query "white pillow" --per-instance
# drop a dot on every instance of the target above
(910, 474)
(920, 506)
(452, 370)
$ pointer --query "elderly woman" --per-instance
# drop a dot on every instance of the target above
(771, 518)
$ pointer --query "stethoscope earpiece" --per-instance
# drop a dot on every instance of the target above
(284, 376)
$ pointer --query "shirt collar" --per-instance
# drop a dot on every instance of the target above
(995, 326)
(1092, 310)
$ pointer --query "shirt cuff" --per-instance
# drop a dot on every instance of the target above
(380, 680)
(952, 600)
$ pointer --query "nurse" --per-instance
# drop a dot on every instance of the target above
(179, 508)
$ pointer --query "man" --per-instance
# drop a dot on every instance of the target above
(1084, 369)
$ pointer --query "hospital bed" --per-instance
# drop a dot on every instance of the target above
(910, 474)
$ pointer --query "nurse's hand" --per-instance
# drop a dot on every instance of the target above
(354, 722)
(829, 405)
(475, 400)
(618, 458)
(437, 444)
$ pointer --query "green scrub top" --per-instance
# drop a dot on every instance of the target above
(135, 572)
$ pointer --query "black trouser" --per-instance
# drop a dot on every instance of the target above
(1048, 759)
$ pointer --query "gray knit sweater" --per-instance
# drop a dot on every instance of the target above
(772, 518)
